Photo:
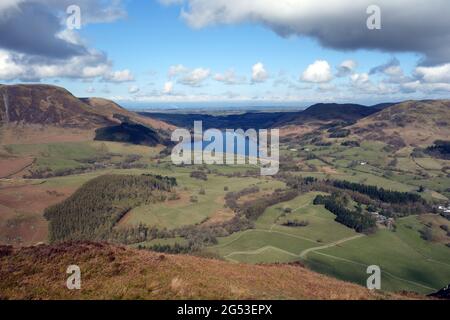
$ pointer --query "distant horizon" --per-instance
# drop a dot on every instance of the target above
(241, 106)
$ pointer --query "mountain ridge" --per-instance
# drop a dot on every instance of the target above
(43, 104)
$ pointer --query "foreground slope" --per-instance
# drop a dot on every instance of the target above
(116, 272)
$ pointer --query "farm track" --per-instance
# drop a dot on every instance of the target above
(302, 254)
(19, 170)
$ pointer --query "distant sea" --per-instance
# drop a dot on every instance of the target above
(207, 107)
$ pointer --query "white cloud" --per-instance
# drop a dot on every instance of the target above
(9, 70)
(90, 89)
(176, 70)
(229, 77)
(259, 73)
(37, 45)
(360, 78)
(427, 88)
(318, 72)
(346, 68)
(434, 74)
(133, 89)
(90, 66)
(196, 77)
(119, 76)
(394, 71)
(168, 87)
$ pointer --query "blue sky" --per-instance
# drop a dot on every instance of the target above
(151, 54)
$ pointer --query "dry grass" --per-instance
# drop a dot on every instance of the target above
(33, 134)
(116, 272)
(411, 122)
(21, 211)
(13, 166)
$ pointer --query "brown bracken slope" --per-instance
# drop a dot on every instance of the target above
(48, 105)
(117, 272)
(414, 123)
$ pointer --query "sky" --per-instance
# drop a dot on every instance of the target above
(175, 53)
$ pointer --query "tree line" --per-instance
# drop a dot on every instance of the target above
(94, 209)
(354, 219)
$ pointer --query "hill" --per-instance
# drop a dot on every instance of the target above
(328, 112)
(322, 112)
(46, 105)
(129, 133)
(36, 113)
(117, 272)
(111, 109)
(416, 123)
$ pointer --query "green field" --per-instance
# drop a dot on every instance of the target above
(407, 261)
(185, 212)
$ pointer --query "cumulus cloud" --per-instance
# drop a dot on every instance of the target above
(33, 30)
(37, 44)
(168, 87)
(119, 76)
(346, 68)
(318, 72)
(259, 73)
(189, 77)
(434, 74)
(176, 70)
(133, 89)
(387, 67)
(360, 78)
(339, 24)
(195, 78)
(427, 88)
(9, 69)
(229, 77)
(32, 68)
(392, 70)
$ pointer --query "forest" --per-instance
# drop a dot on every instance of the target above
(94, 209)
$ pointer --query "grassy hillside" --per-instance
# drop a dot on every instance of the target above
(407, 123)
(116, 272)
(46, 105)
(329, 247)
(129, 133)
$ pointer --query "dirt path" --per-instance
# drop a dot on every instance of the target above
(304, 253)
(11, 167)
(263, 230)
